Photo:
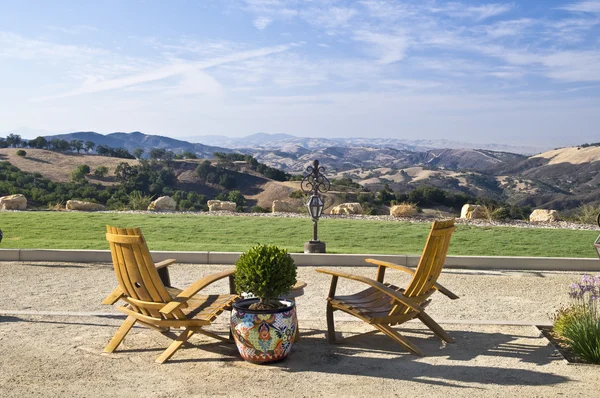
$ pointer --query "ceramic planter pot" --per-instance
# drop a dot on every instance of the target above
(263, 336)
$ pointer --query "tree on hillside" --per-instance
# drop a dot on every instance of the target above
(237, 197)
(101, 171)
(189, 155)
(102, 150)
(77, 145)
(85, 169)
(39, 143)
(13, 140)
(138, 152)
(203, 170)
(3, 143)
(59, 145)
(89, 146)
(161, 154)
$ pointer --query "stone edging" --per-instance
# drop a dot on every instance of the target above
(301, 259)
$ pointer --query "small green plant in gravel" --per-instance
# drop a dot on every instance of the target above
(266, 271)
(578, 325)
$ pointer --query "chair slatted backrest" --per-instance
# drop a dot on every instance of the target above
(432, 259)
(135, 271)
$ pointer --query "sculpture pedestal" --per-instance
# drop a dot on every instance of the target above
(314, 246)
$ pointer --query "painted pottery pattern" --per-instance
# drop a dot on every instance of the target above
(264, 337)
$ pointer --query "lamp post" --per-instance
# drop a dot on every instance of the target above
(314, 184)
(597, 242)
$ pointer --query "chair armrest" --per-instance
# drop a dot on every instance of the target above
(411, 271)
(396, 295)
(164, 263)
(113, 297)
(193, 289)
(387, 264)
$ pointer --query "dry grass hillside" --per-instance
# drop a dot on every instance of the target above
(58, 166)
(573, 155)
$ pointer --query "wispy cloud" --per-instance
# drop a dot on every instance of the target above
(388, 48)
(478, 13)
(262, 22)
(73, 30)
(332, 17)
(583, 6)
(183, 68)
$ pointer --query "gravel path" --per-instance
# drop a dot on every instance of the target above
(61, 356)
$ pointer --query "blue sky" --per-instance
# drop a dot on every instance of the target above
(521, 72)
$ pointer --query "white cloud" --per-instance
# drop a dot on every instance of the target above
(328, 18)
(73, 30)
(478, 13)
(16, 46)
(388, 48)
(507, 28)
(95, 85)
(262, 22)
(583, 6)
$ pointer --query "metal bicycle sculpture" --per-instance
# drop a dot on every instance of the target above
(314, 184)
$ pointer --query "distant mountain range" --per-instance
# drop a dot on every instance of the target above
(279, 141)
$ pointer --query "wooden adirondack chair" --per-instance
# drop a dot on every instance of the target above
(384, 305)
(152, 304)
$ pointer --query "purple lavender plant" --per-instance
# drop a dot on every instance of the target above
(587, 290)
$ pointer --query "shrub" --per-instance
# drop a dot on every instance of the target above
(265, 271)
(84, 168)
(259, 209)
(579, 324)
(587, 213)
(101, 171)
(78, 175)
(297, 194)
(139, 201)
(21, 153)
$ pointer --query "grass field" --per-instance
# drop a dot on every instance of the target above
(62, 230)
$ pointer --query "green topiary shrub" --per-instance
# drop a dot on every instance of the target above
(21, 153)
(267, 272)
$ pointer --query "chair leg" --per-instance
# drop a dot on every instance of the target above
(183, 337)
(120, 334)
(391, 333)
(435, 328)
(330, 324)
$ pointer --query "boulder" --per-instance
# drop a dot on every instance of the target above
(473, 212)
(163, 203)
(221, 205)
(83, 206)
(404, 210)
(13, 202)
(347, 208)
(287, 206)
(543, 215)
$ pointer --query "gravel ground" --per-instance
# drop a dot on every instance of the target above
(54, 355)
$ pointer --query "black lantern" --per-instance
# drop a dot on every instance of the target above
(315, 207)
(315, 183)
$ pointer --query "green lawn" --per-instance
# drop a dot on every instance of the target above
(62, 230)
